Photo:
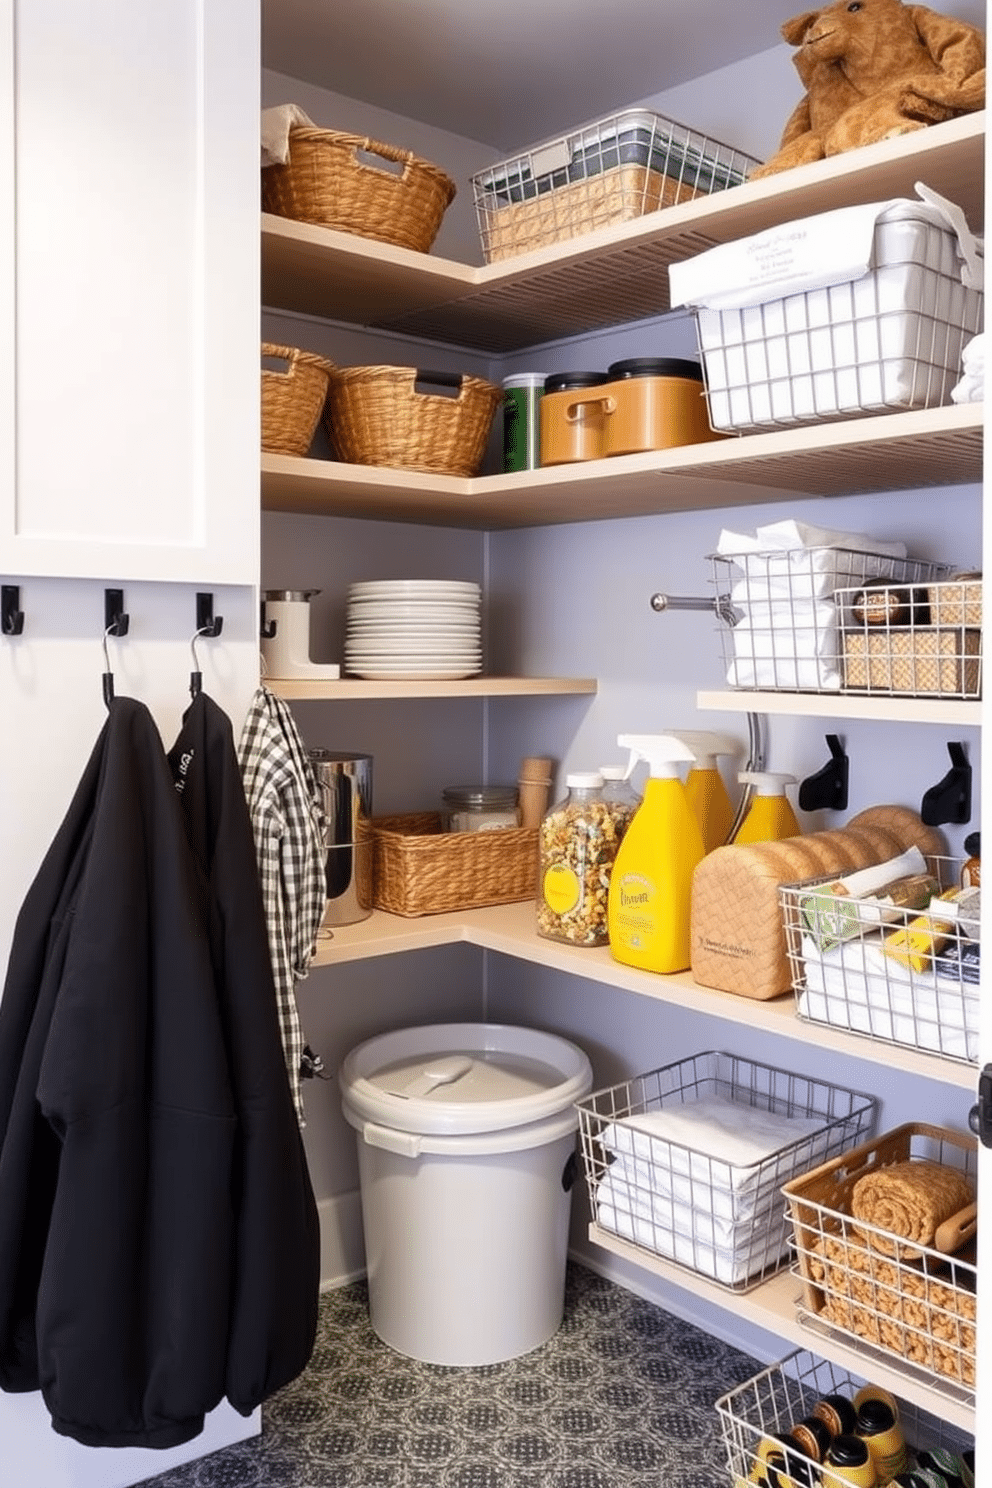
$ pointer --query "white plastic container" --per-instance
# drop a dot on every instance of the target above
(853, 312)
(466, 1152)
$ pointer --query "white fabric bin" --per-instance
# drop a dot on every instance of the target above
(466, 1150)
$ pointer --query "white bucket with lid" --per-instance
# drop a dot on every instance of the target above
(466, 1148)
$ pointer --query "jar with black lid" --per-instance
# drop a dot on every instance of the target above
(850, 1460)
(572, 416)
(654, 403)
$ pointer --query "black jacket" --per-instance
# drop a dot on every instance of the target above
(124, 1130)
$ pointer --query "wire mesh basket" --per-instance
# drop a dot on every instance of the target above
(786, 625)
(863, 1279)
(758, 1416)
(687, 1162)
(907, 976)
(923, 642)
(890, 339)
(609, 170)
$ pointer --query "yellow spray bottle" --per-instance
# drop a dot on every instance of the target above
(770, 817)
(705, 791)
(651, 883)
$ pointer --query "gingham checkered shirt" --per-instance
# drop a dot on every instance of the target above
(290, 834)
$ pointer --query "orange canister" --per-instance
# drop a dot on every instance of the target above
(572, 417)
(654, 403)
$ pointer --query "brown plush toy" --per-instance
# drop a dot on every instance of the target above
(874, 69)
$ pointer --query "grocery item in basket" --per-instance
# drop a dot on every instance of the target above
(834, 911)
(874, 72)
(882, 603)
(910, 1200)
(916, 944)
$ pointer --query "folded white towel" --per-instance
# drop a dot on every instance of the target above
(857, 986)
(736, 1136)
(276, 124)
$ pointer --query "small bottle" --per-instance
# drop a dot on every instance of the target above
(619, 795)
(813, 1436)
(971, 873)
(850, 1460)
(578, 843)
(838, 1412)
(879, 1428)
(770, 816)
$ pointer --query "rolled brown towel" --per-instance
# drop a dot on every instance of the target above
(909, 1200)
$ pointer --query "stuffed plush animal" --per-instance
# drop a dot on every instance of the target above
(874, 69)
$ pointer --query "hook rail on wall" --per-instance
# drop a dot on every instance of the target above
(11, 614)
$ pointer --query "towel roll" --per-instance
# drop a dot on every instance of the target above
(910, 1200)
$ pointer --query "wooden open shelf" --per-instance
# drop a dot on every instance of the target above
(356, 688)
(887, 452)
(613, 275)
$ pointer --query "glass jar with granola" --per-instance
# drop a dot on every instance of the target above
(578, 839)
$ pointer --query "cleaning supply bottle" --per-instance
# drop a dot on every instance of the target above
(650, 886)
(705, 791)
(770, 816)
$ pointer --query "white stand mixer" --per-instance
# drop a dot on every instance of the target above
(286, 652)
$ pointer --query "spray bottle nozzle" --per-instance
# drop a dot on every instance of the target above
(766, 782)
(661, 752)
(706, 746)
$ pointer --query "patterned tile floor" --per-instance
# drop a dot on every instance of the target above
(621, 1397)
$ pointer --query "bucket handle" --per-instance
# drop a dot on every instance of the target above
(574, 410)
(404, 1144)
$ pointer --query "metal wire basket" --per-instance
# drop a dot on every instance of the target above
(769, 1404)
(843, 977)
(610, 170)
(658, 1180)
(787, 624)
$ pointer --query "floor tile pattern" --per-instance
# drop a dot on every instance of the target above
(621, 1397)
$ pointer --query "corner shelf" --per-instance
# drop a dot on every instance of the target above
(509, 929)
(886, 452)
(612, 275)
(356, 688)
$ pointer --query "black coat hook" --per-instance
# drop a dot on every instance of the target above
(207, 624)
(266, 628)
(11, 614)
(826, 790)
(950, 799)
(116, 622)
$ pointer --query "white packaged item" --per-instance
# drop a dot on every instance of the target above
(851, 312)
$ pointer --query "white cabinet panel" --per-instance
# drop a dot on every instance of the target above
(133, 357)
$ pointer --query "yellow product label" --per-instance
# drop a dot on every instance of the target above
(561, 888)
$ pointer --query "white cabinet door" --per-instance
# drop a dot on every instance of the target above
(129, 302)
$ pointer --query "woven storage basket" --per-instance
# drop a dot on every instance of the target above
(292, 401)
(379, 416)
(326, 183)
(420, 869)
(911, 1301)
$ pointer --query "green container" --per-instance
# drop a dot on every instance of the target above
(521, 426)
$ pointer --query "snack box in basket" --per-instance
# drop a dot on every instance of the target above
(885, 1286)
(851, 312)
(609, 170)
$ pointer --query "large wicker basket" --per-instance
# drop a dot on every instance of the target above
(380, 416)
(292, 399)
(326, 183)
(420, 869)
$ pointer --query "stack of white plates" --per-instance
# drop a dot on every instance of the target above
(413, 628)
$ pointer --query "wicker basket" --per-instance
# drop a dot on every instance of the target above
(913, 1302)
(326, 183)
(293, 400)
(379, 416)
(420, 869)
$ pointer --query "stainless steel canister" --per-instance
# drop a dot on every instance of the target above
(345, 782)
